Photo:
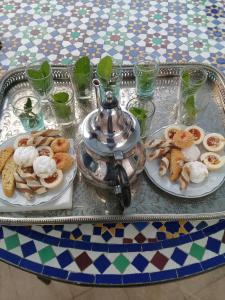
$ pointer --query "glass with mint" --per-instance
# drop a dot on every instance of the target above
(62, 103)
(81, 74)
(143, 111)
(40, 77)
(109, 73)
(145, 72)
(192, 80)
(28, 110)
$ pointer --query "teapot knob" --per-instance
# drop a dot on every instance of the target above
(110, 101)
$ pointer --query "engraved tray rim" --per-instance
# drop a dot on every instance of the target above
(114, 218)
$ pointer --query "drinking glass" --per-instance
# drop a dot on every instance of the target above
(63, 108)
(114, 83)
(143, 111)
(82, 82)
(40, 78)
(145, 72)
(28, 110)
(192, 80)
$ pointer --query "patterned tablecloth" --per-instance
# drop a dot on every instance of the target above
(185, 30)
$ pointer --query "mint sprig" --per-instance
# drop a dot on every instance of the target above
(60, 105)
(104, 68)
(81, 73)
(29, 114)
(141, 116)
(40, 79)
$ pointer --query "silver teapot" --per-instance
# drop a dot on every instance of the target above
(110, 153)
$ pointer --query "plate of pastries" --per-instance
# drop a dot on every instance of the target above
(186, 161)
(36, 167)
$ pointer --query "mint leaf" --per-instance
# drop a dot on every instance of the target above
(45, 68)
(62, 111)
(35, 74)
(28, 106)
(139, 113)
(104, 68)
(186, 79)
(190, 106)
(81, 72)
(61, 97)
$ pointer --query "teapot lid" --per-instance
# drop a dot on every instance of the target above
(110, 129)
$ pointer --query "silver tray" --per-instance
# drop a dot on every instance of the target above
(149, 202)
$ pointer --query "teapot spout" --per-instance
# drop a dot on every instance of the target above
(96, 84)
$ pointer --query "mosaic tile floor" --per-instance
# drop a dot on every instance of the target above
(60, 30)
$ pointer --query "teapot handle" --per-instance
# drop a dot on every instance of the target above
(124, 185)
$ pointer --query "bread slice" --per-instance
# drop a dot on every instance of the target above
(4, 156)
(176, 164)
(8, 181)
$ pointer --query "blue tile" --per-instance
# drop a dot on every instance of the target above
(109, 279)
(161, 236)
(67, 243)
(102, 263)
(31, 266)
(51, 240)
(65, 259)
(47, 228)
(213, 245)
(136, 278)
(140, 262)
(214, 228)
(97, 231)
(197, 235)
(22, 229)
(28, 248)
(151, 246)
(55, 272)
(9, 257)
(163, 275)
(100, 247)
(177, 241)
(157, 225)
(65, 235)
(1, 233)
(77, 233)
(58, 227)
(134, 247)
(86, 238)
(106, 236)
(172, 227)
(81, 278)
(188, 226)
(82, 245)
(119, 232)
(117, 248)
(201, 225)
(189, 270)
(36, 235)
(179, 256)
(213, 262)
(140, 225)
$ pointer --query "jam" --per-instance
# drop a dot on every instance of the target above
(43, 152)
(213, 160)
(52, 178)
(196, 134)
(22, 142)
(213, 141)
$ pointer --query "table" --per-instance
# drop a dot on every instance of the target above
(114, 254)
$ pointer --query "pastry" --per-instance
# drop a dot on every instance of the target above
(22, 186)
(213, 161)
(176, 164)
(21, 141)
(63, 160)
(214, 142)
(4, 156)
(47, 133)
(8, 181)
(184, 178)
(198, 171)
(24, 156)
(60, 145)
(52, 181)
(27, 173)
(157, 153)
(191, 153)
(183, 139)
(170, 131)
(159, 143)
(197, 132)
(164, 164)
(40, 141)
(44, 166)
(45, 150)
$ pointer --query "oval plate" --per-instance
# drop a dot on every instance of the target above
(210, 185)
(19, 199)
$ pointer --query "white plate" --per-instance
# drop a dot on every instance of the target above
(19, 200)
(194, 190)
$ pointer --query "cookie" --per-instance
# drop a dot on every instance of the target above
(4, 156)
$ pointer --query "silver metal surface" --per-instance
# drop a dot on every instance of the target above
(148, 203)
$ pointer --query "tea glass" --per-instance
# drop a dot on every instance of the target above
(145, 72)
(143, 111)
(29, 112)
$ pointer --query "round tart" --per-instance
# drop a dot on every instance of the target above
(21, 141)
(45, 150)
(183, 139)
(63, 160)
(170, 131)
(212, 160)
(197, 132)
(52, 181)
(213, 142)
